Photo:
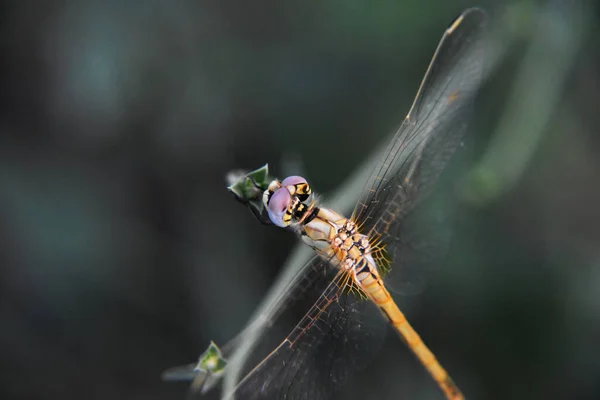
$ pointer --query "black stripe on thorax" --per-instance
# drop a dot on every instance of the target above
(307, 218)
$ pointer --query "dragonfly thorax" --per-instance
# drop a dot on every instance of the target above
(338, 239)
(290, 204)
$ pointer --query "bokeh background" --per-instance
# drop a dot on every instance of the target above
(122, 253)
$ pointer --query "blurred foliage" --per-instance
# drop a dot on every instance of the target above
(122, 252)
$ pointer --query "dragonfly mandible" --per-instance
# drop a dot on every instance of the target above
(347, 279)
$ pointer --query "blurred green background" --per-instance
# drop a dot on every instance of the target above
(123, 254)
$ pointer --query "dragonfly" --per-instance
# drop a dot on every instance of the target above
(346, 283)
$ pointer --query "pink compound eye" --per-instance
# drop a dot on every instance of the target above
(300, 187)
(292, 180)
(278, 205)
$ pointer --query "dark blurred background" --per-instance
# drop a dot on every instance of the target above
(123, 254)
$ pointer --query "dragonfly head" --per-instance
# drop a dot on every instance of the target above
(283, 200)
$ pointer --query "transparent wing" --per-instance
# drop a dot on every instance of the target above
(338, 336)
(296, 291)
(421, 149)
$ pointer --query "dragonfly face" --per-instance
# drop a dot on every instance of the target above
(286, 201)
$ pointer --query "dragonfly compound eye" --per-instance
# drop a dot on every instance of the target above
(298, 186)
(279, 207)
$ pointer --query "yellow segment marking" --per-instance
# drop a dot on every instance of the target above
(415, 343)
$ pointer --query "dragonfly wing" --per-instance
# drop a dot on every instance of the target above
(421, 149)
(338, 336)
(419, 242)
(297, 288)
(435, 123)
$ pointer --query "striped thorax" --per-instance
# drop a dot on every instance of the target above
(290, 204)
